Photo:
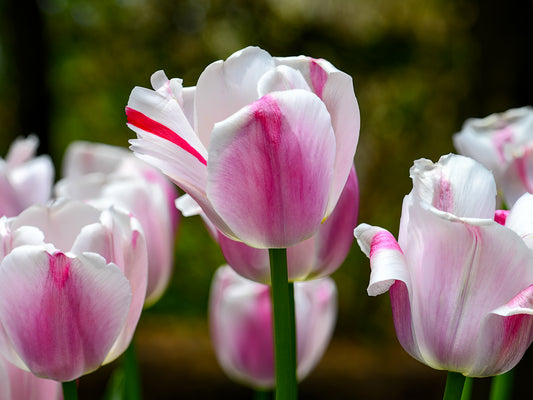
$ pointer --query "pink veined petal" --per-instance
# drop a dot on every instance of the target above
(461, 272)
(271, 167)
(506, 333)
(456, 185)
(73, 312)
(335, 89)
(224, 87)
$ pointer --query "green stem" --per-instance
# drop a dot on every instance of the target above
(70, 390)
(502, 386)
(454, 386)
(467, 390)
(284, 326)
(131, 373)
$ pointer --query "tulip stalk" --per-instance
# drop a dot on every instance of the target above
(502, 386)
(70, 390)
(454, 386)
(284, 326)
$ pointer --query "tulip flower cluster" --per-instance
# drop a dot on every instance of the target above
(264, 148)
(74, 275)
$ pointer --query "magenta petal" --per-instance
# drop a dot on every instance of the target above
(71, 314)
(270, 168)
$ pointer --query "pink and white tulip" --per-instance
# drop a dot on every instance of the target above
(25, 180)
(18, 384)
(73, 283)
(240, 317)
(460, 283)
(502, 142)
(316, 257)
(108, 175)
(263, 144)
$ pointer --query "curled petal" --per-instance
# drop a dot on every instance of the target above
(270, 169)
(386, 258)
(76, 310)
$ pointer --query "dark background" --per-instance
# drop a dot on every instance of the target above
(420, 68)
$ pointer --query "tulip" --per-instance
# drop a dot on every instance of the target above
(17, 384)
(503, 143)
(460, 283)
(73, 282)
(24, 179)
(240, 317)
(108, 175)
(316, 257)
(264, 145)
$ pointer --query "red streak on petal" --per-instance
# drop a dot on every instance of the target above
(147, 124)
(383, 240)
(319, 77)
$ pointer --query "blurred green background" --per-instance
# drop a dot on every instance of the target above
(420, 68)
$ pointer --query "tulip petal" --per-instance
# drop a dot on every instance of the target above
(271, 167)
(386, 258)
(505, 335)
(520, 219)
(456, 185)
(335, 88)
(160, 114)
(224, 87)
(334, 238)
(60, 223)
(316, 314)
(281, 78)
(517, 176)
(73, 312)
